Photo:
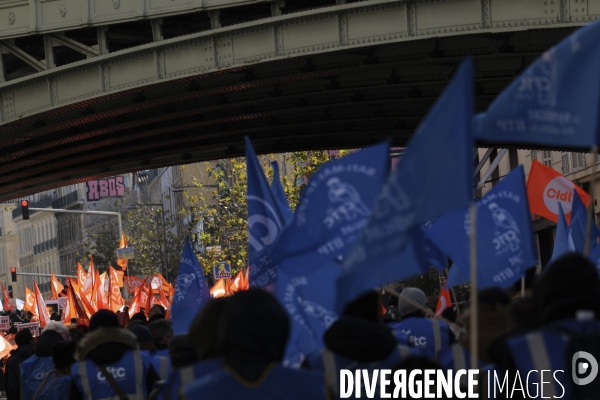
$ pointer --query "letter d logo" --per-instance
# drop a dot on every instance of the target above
(583, 367)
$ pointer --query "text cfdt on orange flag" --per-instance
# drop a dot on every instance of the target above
(546, 188)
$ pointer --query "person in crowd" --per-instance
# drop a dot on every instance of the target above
(568, 301)
(75, 335)
(162, 332)
(252, 336)
(156, 312)
(106, 347)
(425, 334)
(195, 354)
(493, 306)
(24, 340)
(139, 316)
(57, 382)
(146, 342)
(35, 368)
(358, 338)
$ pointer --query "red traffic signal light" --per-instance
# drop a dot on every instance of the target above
(13, 274)
(25, 209)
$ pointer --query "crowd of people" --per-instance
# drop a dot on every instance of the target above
(235, 346)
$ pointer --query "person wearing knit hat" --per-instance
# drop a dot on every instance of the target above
(428, 335)
(57, 382)
(109, 345)
(567, 296)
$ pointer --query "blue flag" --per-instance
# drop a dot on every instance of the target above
(579, 207)
(504, 234)
(555, 101)
(433, 176)
(432, 253)
(595, 257)
(265, 222)
(191, 291)
(456, 276)
(334, 208)
(279, 194)
(562, 244)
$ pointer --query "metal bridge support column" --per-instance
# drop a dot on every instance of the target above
(2, 69)
(215, 19)
(276, 7)
(102, 40)
(157, 34)
(49, 52)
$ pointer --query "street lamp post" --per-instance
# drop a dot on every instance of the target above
(165, 267)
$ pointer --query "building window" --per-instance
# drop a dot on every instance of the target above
(578, 161)
(547, 157)
(534, 155)
(566, 165)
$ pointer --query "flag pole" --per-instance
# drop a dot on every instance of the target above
(523, 287)
(452, 294)
(588, 227)
(474, 295)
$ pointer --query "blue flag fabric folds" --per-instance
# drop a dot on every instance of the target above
(555, 101)
(433, 176)
(279, 194)
(504, 234)
(456, 276)
(265, 222)
(579, 216)
(334, 208)
(191, 291)
(562, 244)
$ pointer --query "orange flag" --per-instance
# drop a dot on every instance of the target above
(115, 299)
(55, 286)
(6, 297)
(87, 306)
(99, 293)
(122, 245)
(136, 303)
(163, 299)
(236, 283)
(149, 298)
(546, 188)
(75, 307)
(444, 301)
(81, 277)
(5, 347)
(132, 283)
(30, 304)
(41, 306)
(219, 289)
(87, 290)
(116, 276)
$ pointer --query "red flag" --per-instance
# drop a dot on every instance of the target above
(444, 301)
(135, 304)
(546, 188)
(30, 304)
(236, 283)
(7, 304)
(41, 306)
(99, 293)
(149, 298)
(163, 299)
(81, 277)
(132, 282)
(115, 299)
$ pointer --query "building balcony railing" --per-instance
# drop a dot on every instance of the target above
(66, 200)
(45, 246)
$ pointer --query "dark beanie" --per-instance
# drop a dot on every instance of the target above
(63, 354)
(142, 333)
(104, 319)
(569, 284)
(139, 316)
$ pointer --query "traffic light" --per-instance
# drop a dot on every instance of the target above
(25, 209)
(10, 292)
(13, 274)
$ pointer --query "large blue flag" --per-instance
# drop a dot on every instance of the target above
(334, 208)
(279, 194)
(504, 235)
(555, 101)
(562, 245)
(578, 236)
(434, 176)
(265, 222)
(191, 291)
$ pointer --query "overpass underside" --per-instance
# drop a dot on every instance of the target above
(334, 77)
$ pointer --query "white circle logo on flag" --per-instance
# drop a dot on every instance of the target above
(559, 189)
